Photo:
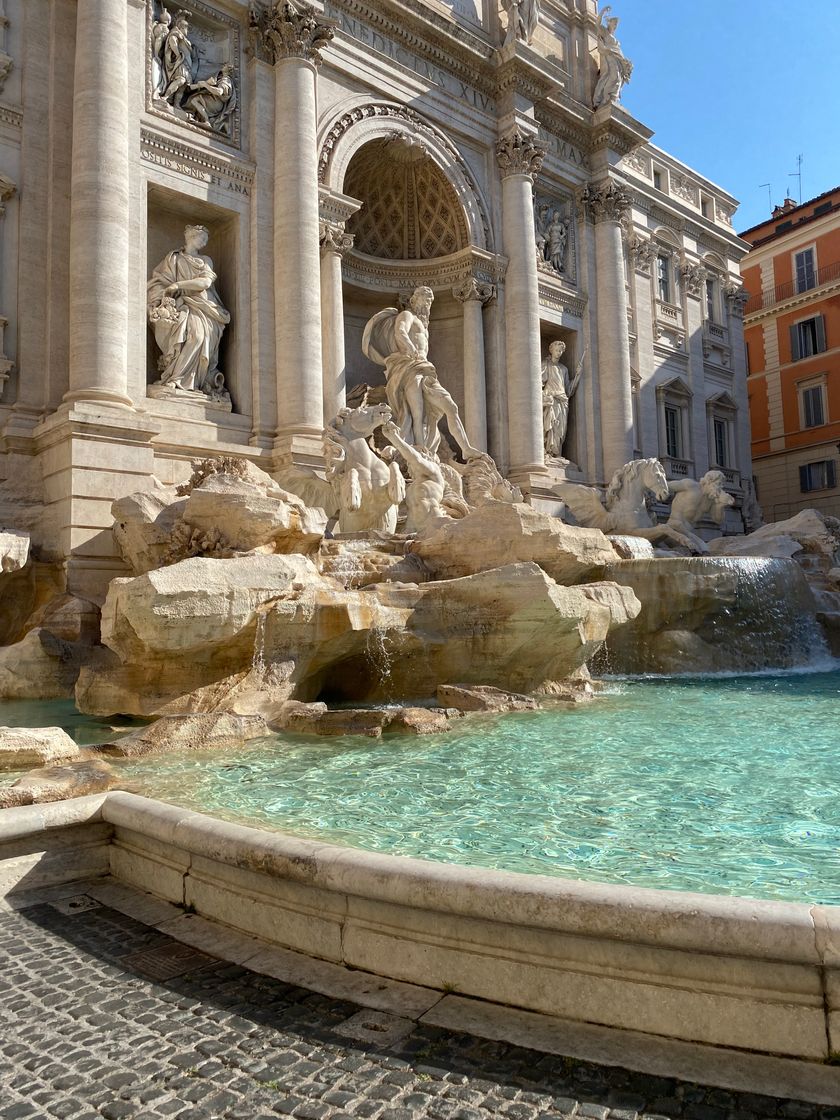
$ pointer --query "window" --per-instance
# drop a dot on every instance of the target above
(747, 357)
(673, 442)
(721, 443)
(812, 399)
(823, 208)
(706, 207)
(663, 277)
(807, 337)
(711, 301)
(806, 273)
(818, 476)
(657, 179)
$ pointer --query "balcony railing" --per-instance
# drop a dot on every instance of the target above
(677, 468)
(785, 291)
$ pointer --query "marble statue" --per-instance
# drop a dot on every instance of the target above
(399, 341)
(188, 320)
(557, 392)
(750, 509)
(425, 494)
(557, 236)
(542, 217)
(212, 101)
(179, 63)
(613, 68)
(694, 500)
(523, 17)
(160, 31)
(368, 490)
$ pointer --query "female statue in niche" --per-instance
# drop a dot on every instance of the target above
(188, 319)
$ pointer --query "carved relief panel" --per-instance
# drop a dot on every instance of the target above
(554, 235)
(193, 67)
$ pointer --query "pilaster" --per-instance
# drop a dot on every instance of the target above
(520, 158)
(474, 295)
(606, 203)
(99, 206)
(335, 242)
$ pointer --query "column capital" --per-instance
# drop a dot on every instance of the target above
(288, 29)
(643, 251)
(519, 154)
(737, 297)
(472, 289)
(606, 201)
(693, 278)
(7, 189)
(333, 238)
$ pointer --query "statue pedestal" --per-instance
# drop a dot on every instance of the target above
(160, 391)
(542, 493)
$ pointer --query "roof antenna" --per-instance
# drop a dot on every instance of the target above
(798, 175)
(769, 196)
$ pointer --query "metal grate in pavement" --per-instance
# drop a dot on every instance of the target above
(78, 904)
(167, 961)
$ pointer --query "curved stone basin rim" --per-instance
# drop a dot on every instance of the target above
(734, 972)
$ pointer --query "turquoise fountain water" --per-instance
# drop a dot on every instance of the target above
(725, 785)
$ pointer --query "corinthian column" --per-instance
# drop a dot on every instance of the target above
(519, 159)
(334, 244)
(99, 213)
(291, 38)
(606, 204)
(473, 296)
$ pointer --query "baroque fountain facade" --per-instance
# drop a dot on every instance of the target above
(405, 371)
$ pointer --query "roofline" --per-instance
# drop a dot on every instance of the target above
(799, 206)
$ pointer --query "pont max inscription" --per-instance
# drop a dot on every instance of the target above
(362, 33)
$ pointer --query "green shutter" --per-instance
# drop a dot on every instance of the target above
(803, 480)
(819, 325)
(794, 343)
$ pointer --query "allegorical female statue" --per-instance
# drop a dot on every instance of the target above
(613, 68)
(558, 390)
(188, 320)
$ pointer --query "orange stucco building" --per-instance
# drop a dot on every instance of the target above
(792, 335)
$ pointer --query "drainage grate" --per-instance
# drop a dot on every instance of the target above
(78, 904)
(377, 1027)
(167, 961)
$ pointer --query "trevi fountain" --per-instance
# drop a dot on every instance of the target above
(422, 698)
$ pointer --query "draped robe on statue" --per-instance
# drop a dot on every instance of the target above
(188, 327)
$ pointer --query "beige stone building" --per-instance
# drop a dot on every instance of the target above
(337, 158)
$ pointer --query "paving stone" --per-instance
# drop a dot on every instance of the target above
(83, 1039)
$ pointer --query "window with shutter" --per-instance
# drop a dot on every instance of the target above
(807, 338)
(817, 476)
(813, 412)
(806, 274)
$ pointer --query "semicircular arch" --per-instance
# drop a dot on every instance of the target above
(357, 124)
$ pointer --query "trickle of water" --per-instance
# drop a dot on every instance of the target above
(258, 658)
(380, 655)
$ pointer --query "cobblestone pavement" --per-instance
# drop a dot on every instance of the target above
(85, 1032)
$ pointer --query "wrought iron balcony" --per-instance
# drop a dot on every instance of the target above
(781, 292)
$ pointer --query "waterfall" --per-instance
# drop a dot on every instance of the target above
(258, 657)
(705, 614)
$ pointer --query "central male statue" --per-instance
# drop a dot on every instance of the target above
(399, 341)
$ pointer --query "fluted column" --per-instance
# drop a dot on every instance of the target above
(291, 38)
(519, 159)
(99, 205)
(334, 244)
(606, 204)
(473, 295)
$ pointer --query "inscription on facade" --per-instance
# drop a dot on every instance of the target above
(363, 33)
(562, 149)
(214, 177)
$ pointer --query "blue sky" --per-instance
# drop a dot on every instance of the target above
(737, 89)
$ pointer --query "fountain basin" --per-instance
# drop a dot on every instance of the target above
(753, 975)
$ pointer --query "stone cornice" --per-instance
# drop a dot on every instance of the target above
(614, 130)
(11, 116)
(437, 272)
(213, 163)
(430, 36)
(716, 240)
(555, 294)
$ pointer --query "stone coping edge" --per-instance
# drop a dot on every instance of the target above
(25, 820)
(782, 931)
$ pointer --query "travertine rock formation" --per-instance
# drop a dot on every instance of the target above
(57, 783)
(500, 533)
(209, 731)
(24, 747)
(208, 626)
